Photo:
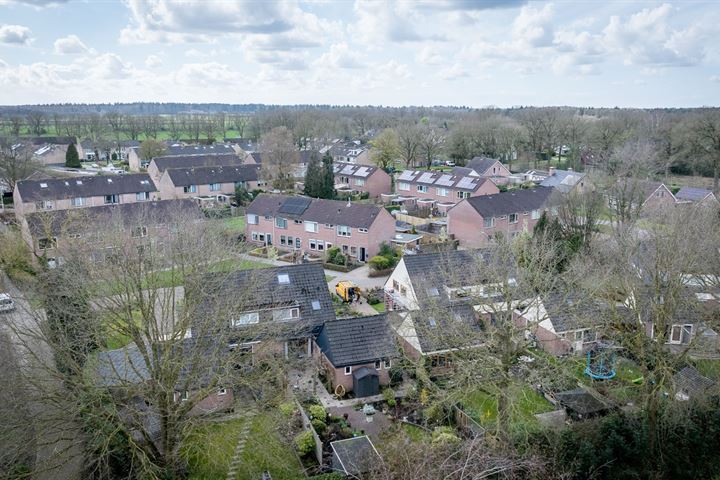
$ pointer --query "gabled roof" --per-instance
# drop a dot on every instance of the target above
(693, 194)
(513, 201)
(79, 220)
(208, 175)
(353, 170)
(443, 180)
(436, 330)
(203, 160)
(481, 164)
(178, 149)
(357, 340)
(123, 366)
(560, 313)
(85, 186)
(357, 455)
(334, 212)
(303, 156)
(463, 171)
(563, 180)
(691, 382)
(226, 295)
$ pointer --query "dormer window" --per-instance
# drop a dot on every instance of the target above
(248, 318)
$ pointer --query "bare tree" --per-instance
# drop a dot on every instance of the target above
(240, 122)
(706, 140)
(151, 126)
(36, 121)
(16, 163)
(116, 122)
(431, 144)
(279, 158)
(16, 124)
(133, 127)
(409, 143)
(150, 149)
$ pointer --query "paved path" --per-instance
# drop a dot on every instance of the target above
(248, 415)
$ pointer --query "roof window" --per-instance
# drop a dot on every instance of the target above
(316, 304)
(283, 279)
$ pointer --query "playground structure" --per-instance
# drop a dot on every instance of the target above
(601, 361)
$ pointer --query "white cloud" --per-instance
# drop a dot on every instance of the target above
(455, 72)
(15, 35)
(429, 55)
(340, 55)
(533, 26)
(380, 22)
(70, 45)
(153, 61)
(34, 3)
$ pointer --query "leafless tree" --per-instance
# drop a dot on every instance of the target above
(150, 149)
(240, 122)
(16, 163)
(431, 144)
(151, 126)
(409, 143)
(36, 121)
(279, 158)
(116, 122)
(133, 127)
(16, 124)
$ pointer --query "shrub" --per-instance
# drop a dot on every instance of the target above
(287, 409)
(389, 394)
(305, 442)
(396, 374)
(444, 435)
(378, 262)
(434, 414)
(317, 411)
(392, 208)
(318, 425)
(332, 253)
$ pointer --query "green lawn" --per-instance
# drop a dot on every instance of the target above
(235, 224)
(209, 449)
(524, 404)
(379, 307)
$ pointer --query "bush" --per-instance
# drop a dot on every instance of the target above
(317, 411)
(434, 414)
(389, 394)
(444, 436)
(378, 262)
(318, 425)
(392, 208)
(305, 442)
(287, 409)
(15, 257)
(396, 374)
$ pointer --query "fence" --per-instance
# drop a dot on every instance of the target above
(467, 423)
(308, 426)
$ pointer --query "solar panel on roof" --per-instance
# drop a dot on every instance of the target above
(406, 175)
(362, 172)
(295, 205)
(445, 180)
(348, 170)
(427, 177)
(466, 182)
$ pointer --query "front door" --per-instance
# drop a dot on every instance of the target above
(268, 239)
(362, 254)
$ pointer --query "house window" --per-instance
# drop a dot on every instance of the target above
(387, 364)
(463, 194)
(535, 214)
(513, 218)
(442, 192)
(404, 186)
(254, 236)
(422, 188)
(313, 244)
(47, 243)
(660, 193)
(252, 219)
(280, 222)
(222, 391)
(329, 225)
(343, 231)
(142, 196)
(138, 232)
(489, 222)
(246, 319)
(112, 199)
(77, 202)
(680, 333)
(190, 189)
(320, 246)
(377, 364)
(286, 314)
(360, 182)
(348, 370)
(185, 396)
(362, 230)
(283, 240)
(290, 241)
(311, 227)
(578, 335)
(395, 284)
(45, 205)
(214, 187)
(297, 222)
(345, 180)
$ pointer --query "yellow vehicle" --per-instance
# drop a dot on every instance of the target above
(347, 291)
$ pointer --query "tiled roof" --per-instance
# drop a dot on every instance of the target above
(227, 295)
(446, 328)
(334, 212)
(513, 201)
(691, 382)
(692, 194)
(208, 175)
(353, 170)
(563, 180)
(440, 179)
(357, 455)
(202, 160)
(481, 164)
(357, 340)
(177, 149)
(79, 220)
(85, 186)
(124, 366)
(303, 156)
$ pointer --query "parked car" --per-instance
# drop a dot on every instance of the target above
(6, 303)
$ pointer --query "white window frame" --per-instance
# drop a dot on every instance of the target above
(348, 370)
(252, 219)
(362, 230)
(222, 391)
(77, 201)
(111, 197)
(360, 182)
(142, 196)
(404, 186)
(246, 318)
(190, 189)
(421, 188)
(344, 231)
(311, 227)
(535, 214)
(510, 218)
(45, 205)
(214, 187)
(281, 314)
(442, 191)
(387, 363)
(489, 224)
(463, 195)
(281, 222)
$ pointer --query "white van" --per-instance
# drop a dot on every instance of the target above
(6, 303)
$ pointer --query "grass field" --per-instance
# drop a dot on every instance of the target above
(234, 224)
(209, 449)
(379, 307)
(524, 404)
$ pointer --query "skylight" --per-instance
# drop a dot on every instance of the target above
(433, 323)
(109, 180)
(433, 292)
(316, 304)
(283, 279)
(43, 185)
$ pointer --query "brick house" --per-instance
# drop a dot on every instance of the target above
(314, 225)
(698, 196)
(350, 152)
(158, 165)
(264, 311)
(52, 234)
(302, 158)
(440, 191)
(80, 192)
(640, 195)
(347, 345)
(477, 220)
(484, 167)
(207, 181)
(565, 181)
(360, 178)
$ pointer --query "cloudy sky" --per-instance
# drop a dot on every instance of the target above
(424, 52)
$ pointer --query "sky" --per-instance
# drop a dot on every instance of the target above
(473, 53)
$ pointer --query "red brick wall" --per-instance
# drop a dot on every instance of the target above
(467, 225)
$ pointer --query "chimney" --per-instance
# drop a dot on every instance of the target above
(570, 169)
(551, 171)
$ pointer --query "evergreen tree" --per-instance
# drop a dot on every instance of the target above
(327, 178)
(313, 177)
(72, 159)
